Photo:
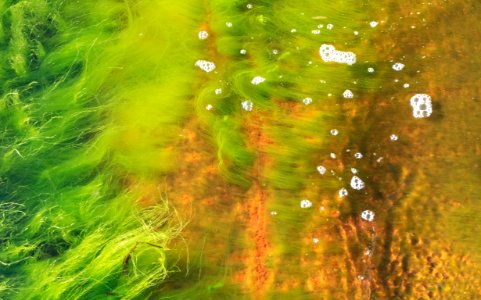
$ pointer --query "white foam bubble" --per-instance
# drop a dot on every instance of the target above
(368, 215)
(406, 85)
(205, 65)
(343, 193)
(398, 66)
(422, 105)
(249, 6)
(370, 70)
(330, 26)
(307, 100)
(357, 183)
(315, 240)
(258, 79)
(228, 24)
(330, 54)
(334, 132)
(306, 203)
(209, 107)
(354, 170)
(218, 91)
(333, 155)
(203, 35)
(358, 155)
(316, 31)
(348, 94)
(247, 105)
(243, 51)
(393, 137)
(321, 169)
(373, 24)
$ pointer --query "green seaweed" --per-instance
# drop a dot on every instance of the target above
(72, 128)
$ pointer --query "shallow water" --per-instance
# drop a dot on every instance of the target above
(208, 150)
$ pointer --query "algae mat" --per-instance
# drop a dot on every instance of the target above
(240, 149)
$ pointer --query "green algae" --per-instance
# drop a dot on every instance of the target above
(72, 75)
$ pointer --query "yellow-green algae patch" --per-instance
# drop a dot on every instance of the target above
(93, 94)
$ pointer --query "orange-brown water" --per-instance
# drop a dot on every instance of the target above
(423, 187)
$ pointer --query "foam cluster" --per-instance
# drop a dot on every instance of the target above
(368, 215)
(357, 183)
(422, 105)
(247, 105)
(258, 79)
(205, 65)
(322, 170)
(330, 54)
(306, 203)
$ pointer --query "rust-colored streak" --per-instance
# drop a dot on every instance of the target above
(257, 223)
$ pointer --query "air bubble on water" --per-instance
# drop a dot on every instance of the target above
(218, 91)
(306, 203)
(275, 51)
(273, 213)
(228, 24)
(330, 26)
(320, 26)
(243, 51)
(373, 24)
(354, 170)
(422, 105)
(357, 183)
(307, 100)
(368, 215)
(398, 66)
(393, 137)
(356, 32)
(358, 155)
(209, 107)
(205, 65)
(333, 155)
(258, 79)
(249, 6)
(370, 70)
(316, 31)
(334, 132)
(343, 193)
(293, 30)
(330, 54)
(247, 105)
(406, 85)
(315, 240)
(321, 169)
(348, 94)
(203, 35)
